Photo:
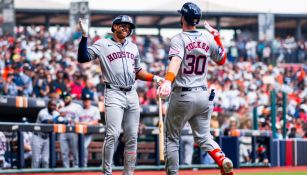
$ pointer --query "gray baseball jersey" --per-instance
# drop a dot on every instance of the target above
(189, 100)
(88, 115)
(44, 115)
(40, 141)
(195, 49)
(69, 141)
(72, 112)
(119, 64)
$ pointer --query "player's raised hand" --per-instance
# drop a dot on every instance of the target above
(83, 24)
(212, 30)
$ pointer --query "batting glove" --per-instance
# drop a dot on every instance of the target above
(165, 89)
(158, 80)
(213, 31)
(83, 24)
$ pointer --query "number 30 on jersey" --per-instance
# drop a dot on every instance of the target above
(195, 64)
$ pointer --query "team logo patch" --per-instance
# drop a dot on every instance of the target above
(220, 51)
(173, 51)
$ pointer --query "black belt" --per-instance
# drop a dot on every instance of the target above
(108, 86)
(186, 89)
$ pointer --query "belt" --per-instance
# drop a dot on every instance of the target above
(124, 89)
(186, 89)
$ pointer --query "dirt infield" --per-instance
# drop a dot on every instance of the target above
(185, 172)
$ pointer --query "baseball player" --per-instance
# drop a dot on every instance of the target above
(40, 141)
(189, 52)
(89, 115)
(120, 64)
(69, 141)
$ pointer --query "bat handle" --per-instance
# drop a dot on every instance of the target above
(160, 108)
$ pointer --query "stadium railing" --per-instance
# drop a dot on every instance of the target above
(230, 145)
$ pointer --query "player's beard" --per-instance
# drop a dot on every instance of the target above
(122, 34)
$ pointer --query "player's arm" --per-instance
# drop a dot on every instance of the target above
(173, 68)
(146, 76)
(176, 55)
(220, 56)
(172, 71)
(84, 54)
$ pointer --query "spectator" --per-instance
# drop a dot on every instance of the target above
(10, 88)
(41, 87)
(77, 86)
(58, 85)
(18, 80)
(293, 133)
(27, 80)
(232, 130)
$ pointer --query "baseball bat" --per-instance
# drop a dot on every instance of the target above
(161, 132)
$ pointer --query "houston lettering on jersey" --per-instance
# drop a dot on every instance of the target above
(195, 45)
(115, 55)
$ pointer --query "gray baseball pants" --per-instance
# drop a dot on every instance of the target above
(122, 111)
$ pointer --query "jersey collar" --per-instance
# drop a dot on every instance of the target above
(193, 32)
(119, 44)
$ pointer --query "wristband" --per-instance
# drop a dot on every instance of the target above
(170, 76)
(149, 77)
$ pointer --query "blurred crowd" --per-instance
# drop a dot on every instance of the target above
(279, 50)
(42, 64)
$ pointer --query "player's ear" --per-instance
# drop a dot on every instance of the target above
(115, 26)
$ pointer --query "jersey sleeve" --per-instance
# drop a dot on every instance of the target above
(217, 52)
(137, 62)
(177, 47)
(94, 49)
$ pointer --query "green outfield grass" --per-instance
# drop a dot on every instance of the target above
(271, 173)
